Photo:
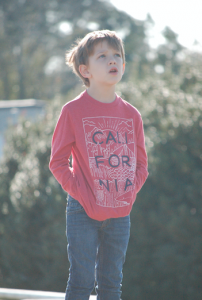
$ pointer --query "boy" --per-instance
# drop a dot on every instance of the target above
(105, 136)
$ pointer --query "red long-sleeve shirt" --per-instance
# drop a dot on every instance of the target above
(109, 160)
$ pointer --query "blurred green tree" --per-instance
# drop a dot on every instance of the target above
(34, 36)
(164, 257)
(32, 211)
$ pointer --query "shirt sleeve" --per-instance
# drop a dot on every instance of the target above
(142, 162)
(62, 142)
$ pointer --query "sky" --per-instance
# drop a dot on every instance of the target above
(184, 17)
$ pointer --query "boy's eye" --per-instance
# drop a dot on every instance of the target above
(102, 55)
(117, 54)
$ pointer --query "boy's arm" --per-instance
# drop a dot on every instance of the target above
(62, 141)
(142, 164)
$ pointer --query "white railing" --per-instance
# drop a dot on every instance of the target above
(15, 294)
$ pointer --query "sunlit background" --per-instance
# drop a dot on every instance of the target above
(183, 17)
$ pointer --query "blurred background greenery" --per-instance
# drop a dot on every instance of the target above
(164, 259)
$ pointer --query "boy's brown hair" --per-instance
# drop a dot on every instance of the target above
(83, 48)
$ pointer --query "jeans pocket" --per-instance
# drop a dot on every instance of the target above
(73, 206)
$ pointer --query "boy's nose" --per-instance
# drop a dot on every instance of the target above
(112, 61)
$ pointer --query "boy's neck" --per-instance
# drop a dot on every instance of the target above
(101, 94)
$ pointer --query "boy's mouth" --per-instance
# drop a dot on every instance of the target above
(113, 70)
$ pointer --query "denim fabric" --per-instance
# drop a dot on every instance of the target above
(96, 252)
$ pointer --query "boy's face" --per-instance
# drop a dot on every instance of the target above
(105, 66)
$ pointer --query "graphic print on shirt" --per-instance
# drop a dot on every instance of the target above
(111, 153)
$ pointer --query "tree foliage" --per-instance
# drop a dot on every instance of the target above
(164, 255)
(34, 36)
(33, 246)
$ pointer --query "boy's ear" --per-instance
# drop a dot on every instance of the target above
(123, 69)
(83, 69)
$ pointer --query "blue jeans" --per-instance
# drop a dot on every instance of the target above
(96, 252)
